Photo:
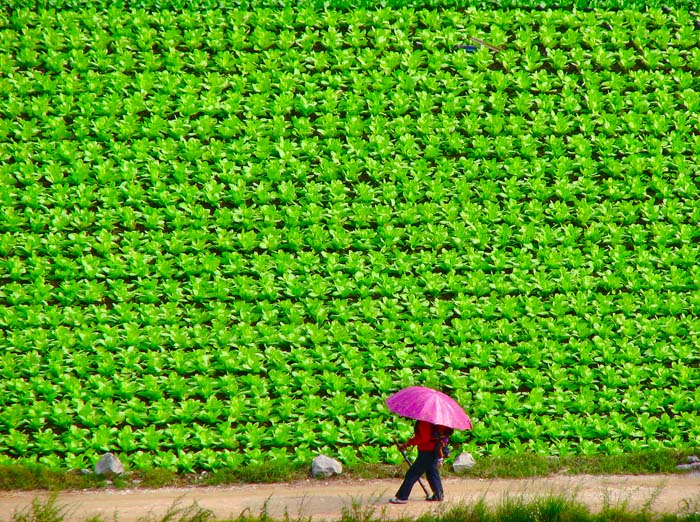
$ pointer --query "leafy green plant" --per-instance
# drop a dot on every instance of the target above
(206, 214)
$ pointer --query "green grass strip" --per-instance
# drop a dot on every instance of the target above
(530, 465)
(36, 477)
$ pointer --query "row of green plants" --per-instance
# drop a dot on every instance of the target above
(120, 43)
(669, 296)
(492, 231)
(228, 235)
(348, 6)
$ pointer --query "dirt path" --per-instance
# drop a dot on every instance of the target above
(326, 499)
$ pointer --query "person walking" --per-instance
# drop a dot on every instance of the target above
(428, 438)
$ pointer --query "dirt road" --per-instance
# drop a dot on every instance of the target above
(326, 499)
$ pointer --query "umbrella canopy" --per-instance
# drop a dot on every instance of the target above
(426, 404)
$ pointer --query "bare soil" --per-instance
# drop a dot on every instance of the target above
(326, 499)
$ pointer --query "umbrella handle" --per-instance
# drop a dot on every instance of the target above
(408, 461)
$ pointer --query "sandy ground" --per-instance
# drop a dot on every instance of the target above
(326, 499)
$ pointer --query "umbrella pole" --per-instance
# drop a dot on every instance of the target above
(420, 481)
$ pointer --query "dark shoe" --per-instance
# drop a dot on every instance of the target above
(433, 498)
(397, 501)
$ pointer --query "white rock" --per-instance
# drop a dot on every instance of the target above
(323, 466)
(463, 462)
(109, 465)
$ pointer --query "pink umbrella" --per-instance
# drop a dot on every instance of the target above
(420, 403)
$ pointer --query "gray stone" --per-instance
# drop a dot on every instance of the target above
(323, 466)
(464, 462)
(692, 465)
(109, 465)
(689, 467)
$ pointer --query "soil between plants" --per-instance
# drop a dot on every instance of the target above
(326, 499)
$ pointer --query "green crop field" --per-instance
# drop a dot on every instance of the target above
(226, 236)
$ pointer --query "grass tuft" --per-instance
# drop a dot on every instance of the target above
(34, 476)
(373, 471)
(271, 471)
(359, 512)
(176, 513)
(264, 516)
(155, 478)
(562, 509)
(42, 511)
(477, 512)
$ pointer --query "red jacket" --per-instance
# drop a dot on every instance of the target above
(423, 438)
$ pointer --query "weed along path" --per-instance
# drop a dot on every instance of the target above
(327, 499)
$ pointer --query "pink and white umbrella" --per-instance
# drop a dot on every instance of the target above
(426, 404)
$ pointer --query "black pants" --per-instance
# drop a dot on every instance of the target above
(426, 462)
